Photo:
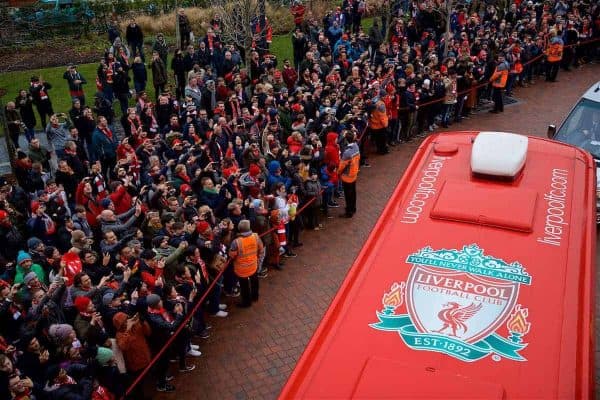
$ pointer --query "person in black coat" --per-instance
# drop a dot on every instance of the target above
(178, 67)
(140, 76)
(408, 108)
(135, 39)
(39, 92)
(163, 326)
(24, 103)
(121, 86)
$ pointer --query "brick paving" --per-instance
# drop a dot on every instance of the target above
(252, 352)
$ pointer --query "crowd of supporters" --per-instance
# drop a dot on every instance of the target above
(117, 228)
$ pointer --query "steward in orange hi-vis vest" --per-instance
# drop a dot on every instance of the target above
(554, 54)
(246, 262)
(246, 251)
(554, 51)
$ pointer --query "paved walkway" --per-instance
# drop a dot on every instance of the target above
(252, 352)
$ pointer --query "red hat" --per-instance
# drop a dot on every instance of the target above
(176, 142)
(34, 206)
(297, 108)
(254, 170)
(277, 74)
(202, 226)
(3, 214)
(185, 188)
(82, 303)
(345, 36)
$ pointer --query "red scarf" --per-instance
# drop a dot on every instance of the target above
(107, 132)
(102, 394)
(162, 312)
(184, 177)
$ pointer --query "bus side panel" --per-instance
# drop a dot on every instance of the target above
(298, 380)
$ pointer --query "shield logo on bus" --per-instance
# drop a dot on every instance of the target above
(459, 302)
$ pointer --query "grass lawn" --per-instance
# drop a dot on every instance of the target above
(59, 94)
(12, 82)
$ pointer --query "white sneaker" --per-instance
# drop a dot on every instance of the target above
(222, 306)
(194, 353)
(194, 346)
(221, 314)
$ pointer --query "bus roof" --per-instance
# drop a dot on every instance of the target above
(467, 286)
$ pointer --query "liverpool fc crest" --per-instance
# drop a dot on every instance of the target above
(456, 301)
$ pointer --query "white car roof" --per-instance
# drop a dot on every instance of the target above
(593, 93)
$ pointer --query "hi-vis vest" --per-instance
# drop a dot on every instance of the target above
(379, 118)
(499, 78)
(554, 51)
(246, 262)
(348, 168)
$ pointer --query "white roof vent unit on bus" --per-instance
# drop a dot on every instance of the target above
(498, 154)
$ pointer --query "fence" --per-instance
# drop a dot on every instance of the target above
(484, 84)
(191, 313)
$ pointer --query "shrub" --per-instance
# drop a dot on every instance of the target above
(280, 18)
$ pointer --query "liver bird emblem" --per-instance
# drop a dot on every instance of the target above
(454, 317)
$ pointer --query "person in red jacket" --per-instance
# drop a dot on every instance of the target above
(295, 143)
(297, 9)
(332, 161)
(91, 203)
(289, 74)
(120, 197)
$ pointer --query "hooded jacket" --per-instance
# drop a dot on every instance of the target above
(275, 177)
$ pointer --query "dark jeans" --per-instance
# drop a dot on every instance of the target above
(229, 279)
(249, 290)
(380, 138)
(295, 226)
(158, 90)
(350, 196)
(497, 97)
(123, 102)
(139, 86)
(30, 133)
(213, 298)
(161, 368)
(45, 110)
(552, 70)
(137, 48)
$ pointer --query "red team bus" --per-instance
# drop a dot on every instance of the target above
(476, 282)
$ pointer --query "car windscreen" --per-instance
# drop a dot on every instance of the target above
(582, 127)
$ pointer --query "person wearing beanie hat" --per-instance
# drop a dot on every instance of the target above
(104, 356)
(105, 203)
(83, 304)
(202, 226)
(89, 324)
(108, 297)
(28, 279)
(62, 333)
(35, 244)
(25, 265)
(132, 339)
(153, 301)
(163, 324)
(22, 257)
